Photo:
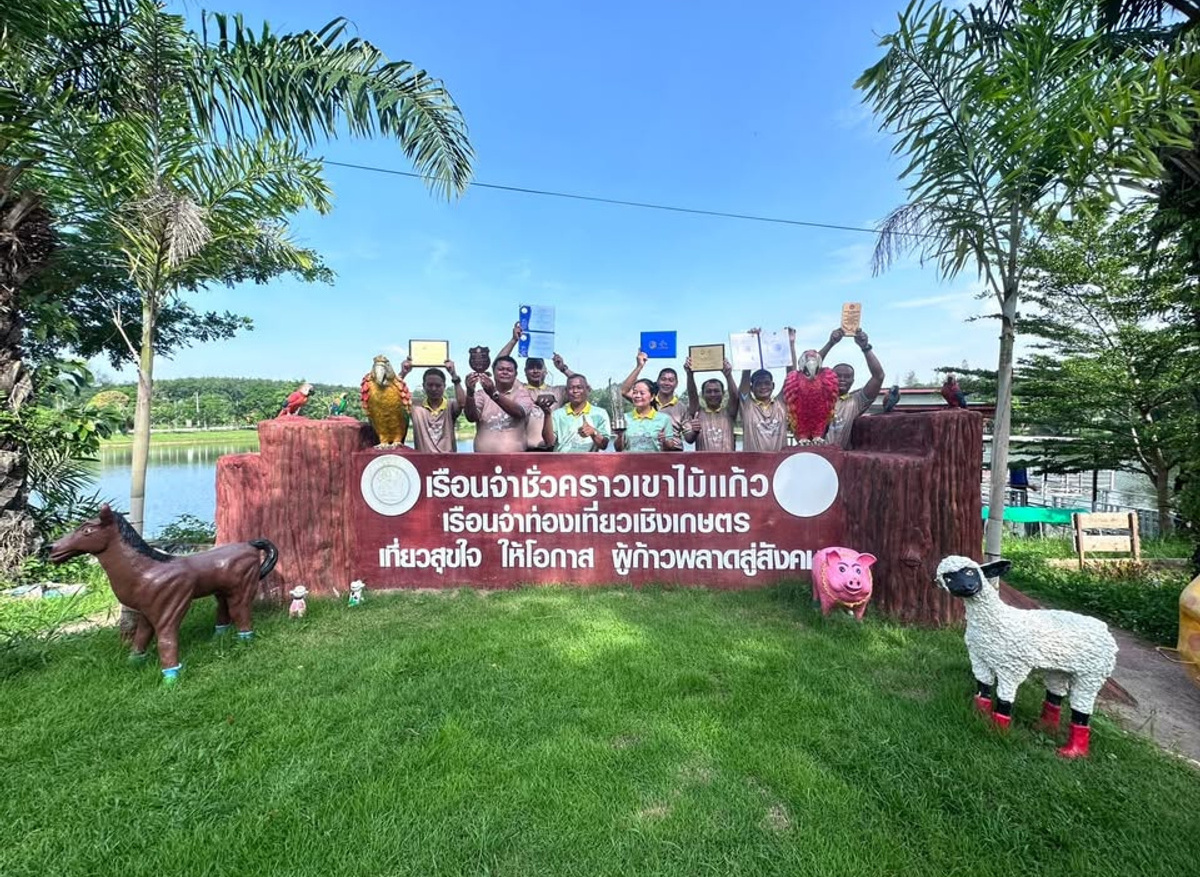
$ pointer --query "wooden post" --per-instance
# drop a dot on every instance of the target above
(1133, 537)
(1078, 537)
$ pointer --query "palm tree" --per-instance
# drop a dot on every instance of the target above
(250, 93)
(1004, 129)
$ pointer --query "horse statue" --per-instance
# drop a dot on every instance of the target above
(162, 586)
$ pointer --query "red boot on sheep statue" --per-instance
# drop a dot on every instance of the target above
(1076, 653)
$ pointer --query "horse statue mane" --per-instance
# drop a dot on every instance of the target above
(134, 540)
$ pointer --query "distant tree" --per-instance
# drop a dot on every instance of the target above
(1113, 371)
(1001, 132)
(911, 380)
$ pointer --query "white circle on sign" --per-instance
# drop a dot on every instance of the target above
(391, 485)
(805, 484)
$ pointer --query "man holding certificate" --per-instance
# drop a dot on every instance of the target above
(434, 419)
(710, 428)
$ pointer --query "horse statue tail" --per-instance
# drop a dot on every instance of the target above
(272, 555)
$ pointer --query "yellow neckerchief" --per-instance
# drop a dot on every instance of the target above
(586, 409)
(650, 414)
(659, 406)
(763, 405)
(843, 397)
(435, 411)
(537, 387)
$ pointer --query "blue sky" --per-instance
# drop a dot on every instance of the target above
(693, 104)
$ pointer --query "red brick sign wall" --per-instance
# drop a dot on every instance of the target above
(723, 520)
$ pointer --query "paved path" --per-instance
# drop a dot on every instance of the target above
(1166, 704)
(1152, 694)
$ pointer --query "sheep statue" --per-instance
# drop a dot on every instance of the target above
(1075, 652)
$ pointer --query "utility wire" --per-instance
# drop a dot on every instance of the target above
(618, 202)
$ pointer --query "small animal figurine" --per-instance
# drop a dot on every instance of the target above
(296, 401)
(892, 399)
(298, 606)
(357, 589)
(953, 393)
(842, 578)
(337, 408)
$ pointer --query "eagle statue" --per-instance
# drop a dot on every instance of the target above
(810, 394)
(297, 400)
(953, 393)
(388, 403)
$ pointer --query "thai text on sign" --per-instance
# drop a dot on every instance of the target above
(732, 520)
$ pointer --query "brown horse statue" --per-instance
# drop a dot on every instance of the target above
(161, 586)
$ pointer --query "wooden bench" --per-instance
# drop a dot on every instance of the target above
(1125, 542)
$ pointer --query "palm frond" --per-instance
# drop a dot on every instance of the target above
(315, 84)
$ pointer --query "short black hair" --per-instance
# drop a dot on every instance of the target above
(504, 359)
(535, 362)
(436, 372)
(760, 375)
(712, 381)
(666, 370)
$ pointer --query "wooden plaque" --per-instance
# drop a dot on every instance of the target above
(851, 317)
(707, 357)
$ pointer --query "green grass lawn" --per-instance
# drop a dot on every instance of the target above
(562, 732)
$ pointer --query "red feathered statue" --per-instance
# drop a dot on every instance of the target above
(811, 393)
(953, 393)
(297, 400)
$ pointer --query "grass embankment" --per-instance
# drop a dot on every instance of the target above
(221, 436)
(1139, 598)
(187, 437)
(548, 731)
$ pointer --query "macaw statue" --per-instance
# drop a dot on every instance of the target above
(296, 400)
(953, 393)
(387, 401)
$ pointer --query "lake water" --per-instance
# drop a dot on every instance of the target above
(180, 480)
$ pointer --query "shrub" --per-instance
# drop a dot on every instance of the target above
(1137, 598)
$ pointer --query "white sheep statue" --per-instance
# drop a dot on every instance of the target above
(1076, 653)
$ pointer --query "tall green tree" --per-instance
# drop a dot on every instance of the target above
(1113, 371)
(1003, 129)
(253, 94)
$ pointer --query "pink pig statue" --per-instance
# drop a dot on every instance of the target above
(842, 577)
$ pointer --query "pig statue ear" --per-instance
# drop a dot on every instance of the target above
(106, 514)
(831, 554)
(867, 560)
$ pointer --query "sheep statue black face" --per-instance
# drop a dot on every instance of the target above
(1075, 653)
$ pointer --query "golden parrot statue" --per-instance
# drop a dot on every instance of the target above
(387, 401)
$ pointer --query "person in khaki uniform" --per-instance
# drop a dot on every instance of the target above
(710, 427)
(851, 405)
(433, 421)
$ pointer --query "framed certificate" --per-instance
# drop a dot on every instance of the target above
(851, 317)
(424, 352)
(707, 357)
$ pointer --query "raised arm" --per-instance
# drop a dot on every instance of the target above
(548, 438)
(871, 390)
(734, 398)
(460, 396)
(834, 337)
(792, 345)
(562, 366)
(470, 408)
(628, 383)
(507, 349)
